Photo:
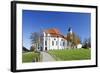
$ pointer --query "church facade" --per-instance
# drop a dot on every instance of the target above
(52, 39)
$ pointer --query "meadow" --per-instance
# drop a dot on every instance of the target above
(71, 54)
(30, 57)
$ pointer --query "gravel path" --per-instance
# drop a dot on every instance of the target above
(46, 57)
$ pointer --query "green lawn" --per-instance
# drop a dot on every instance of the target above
(71, 54)
(30, 57)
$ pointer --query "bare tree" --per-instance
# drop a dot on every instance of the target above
(87, 43)
(32, 48)
(35, 39)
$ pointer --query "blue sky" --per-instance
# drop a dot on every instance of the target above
(34, 21)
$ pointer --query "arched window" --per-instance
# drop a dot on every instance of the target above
(46, 43)
(52, 43)
(63, 43)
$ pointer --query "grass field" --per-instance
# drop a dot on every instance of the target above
(30, 57)
(73, 54)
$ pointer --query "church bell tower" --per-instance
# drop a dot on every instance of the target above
(70, 30)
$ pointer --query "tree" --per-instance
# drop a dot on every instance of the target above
(32, 48)
(73, 40)
(35, 39)
(77, 40)
(87, 43)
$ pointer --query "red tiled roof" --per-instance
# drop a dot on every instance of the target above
(54, 32)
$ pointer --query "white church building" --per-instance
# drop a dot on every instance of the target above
(53, 39)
